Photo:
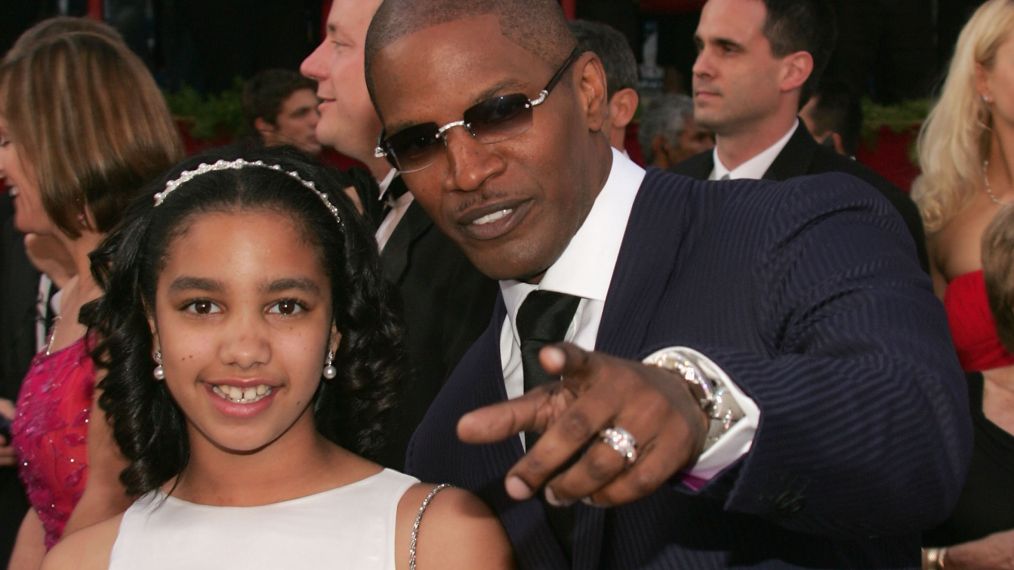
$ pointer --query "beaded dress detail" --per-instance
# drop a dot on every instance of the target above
(49, 433)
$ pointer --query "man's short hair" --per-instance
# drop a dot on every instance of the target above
(998, 271)
(612, 48)
(664, 115)
(264, 93)
(802, 25)
(837, 109)
(538, 26)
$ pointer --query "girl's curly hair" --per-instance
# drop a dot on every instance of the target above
(351, 410)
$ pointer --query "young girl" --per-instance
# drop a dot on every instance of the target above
(250, 357)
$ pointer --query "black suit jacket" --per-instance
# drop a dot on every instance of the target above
(446, 304)
(801, 156)
(19, 284)
(806, 294)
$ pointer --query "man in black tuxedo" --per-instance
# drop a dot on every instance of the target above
(19, 285)
(446, 302)
(754, 72)
(754, 374)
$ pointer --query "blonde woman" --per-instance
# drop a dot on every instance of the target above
(966, 152)
(82, 127)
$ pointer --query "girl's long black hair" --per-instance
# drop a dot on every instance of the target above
(351, 410)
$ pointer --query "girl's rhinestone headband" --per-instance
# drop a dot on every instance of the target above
(237, 164)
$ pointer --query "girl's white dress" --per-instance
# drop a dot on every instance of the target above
(348, 527)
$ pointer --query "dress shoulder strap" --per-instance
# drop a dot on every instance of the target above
(414, 539)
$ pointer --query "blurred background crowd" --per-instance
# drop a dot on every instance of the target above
(890, 54)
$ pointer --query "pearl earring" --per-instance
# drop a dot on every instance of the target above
(987, 99)
(329, 370)
(159, 372)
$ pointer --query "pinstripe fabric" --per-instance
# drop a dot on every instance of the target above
(810, 299)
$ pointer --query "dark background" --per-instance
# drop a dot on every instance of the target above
(889, 50)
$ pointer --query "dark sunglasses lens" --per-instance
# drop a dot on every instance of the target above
(415, 146)
(499, 118)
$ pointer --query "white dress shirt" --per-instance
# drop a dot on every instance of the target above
(754, 168)
(599, 238)
(397, 212)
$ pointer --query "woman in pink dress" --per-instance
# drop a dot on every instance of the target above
(82, 128)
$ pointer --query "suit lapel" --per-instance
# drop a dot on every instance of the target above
(698, 166)
(487, 383)
(640, 278)
(795, 158)
(638, 282)
(525, 519)
(394, 258)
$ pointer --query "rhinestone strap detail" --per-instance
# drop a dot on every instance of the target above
(418, 522)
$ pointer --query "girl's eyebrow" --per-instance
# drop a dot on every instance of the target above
(187, 282)
(300, 283)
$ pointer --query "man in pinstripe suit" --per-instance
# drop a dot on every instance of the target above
(755, 375)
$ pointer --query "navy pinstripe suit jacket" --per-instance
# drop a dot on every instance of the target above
(807, 293)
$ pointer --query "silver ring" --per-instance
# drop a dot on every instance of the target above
(621, 441)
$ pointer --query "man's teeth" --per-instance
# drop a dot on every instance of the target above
(489, 218)
(238, 395)
(12, 190)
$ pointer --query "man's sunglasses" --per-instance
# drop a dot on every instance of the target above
(493, 120)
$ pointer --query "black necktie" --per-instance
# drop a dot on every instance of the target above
(543, 319)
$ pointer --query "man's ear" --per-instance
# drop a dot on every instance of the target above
(837, 143)
(591, 90)
(263, 127)
(623, 106)
(796, 69)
